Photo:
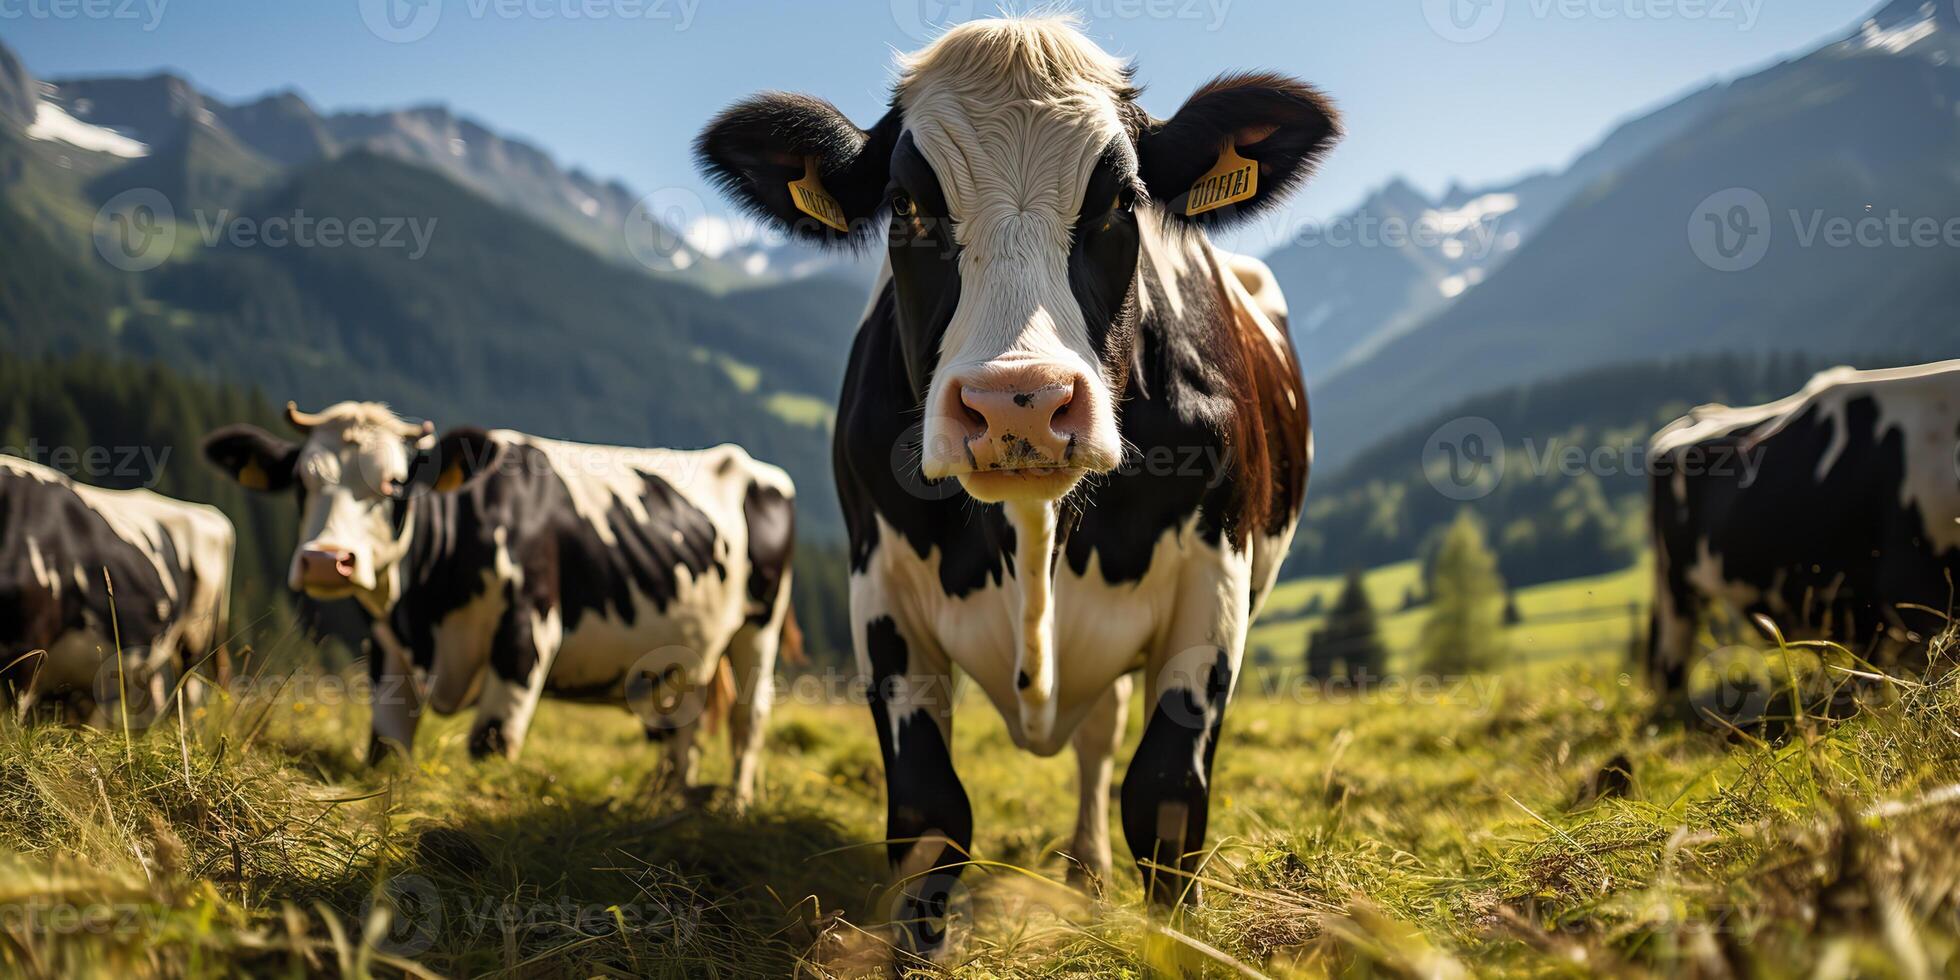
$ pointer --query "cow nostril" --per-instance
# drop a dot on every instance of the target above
(975, 419)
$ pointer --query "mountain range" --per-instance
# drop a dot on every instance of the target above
(514, 302)
(1603, 268)
(535, 308)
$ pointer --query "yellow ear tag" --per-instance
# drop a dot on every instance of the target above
(1231, 180)
(451, 478)
(811, 199)
(252, 476)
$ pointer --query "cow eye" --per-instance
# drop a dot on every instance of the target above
(903, 205)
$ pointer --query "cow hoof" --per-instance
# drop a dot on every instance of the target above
(381, 750)
(1093, 882)
(488, 741)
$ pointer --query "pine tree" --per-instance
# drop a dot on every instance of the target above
(1464, 631)
(1349, 643)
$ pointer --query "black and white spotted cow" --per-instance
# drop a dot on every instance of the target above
(1073, 439)
(498, 567)
(1829, 512)
(85, 572)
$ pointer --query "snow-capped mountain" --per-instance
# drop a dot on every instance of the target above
(1382, 269)
(168, 115)
(1862, 132)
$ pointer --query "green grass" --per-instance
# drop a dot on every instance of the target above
(1563, 622)
(1406, 831)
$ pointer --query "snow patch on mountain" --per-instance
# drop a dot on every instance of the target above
(53, 123)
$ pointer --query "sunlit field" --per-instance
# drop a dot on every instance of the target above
(1460, 826)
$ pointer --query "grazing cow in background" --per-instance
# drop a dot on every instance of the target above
(85, 572)
(497, 567)
(1827, 512)
(1114, 444)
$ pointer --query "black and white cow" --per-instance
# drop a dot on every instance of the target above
(497, 567)
(1073, 441)
(1828, 512)
(85, 572)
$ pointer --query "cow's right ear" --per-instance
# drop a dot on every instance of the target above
(255, 458)
(797, 163)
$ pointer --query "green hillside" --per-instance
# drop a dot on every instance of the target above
(1557, 511)
(1837, 135)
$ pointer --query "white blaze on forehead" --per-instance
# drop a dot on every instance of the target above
(1013, 116)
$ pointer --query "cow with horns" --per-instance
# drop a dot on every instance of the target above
(1073, 441)
(495, 568)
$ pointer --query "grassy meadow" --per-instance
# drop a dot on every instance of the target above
(1525, 822)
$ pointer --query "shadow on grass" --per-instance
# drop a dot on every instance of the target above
(581, 889)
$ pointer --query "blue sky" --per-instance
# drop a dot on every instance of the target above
(620, 87)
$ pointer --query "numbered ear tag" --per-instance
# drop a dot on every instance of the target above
(1231, 180)
(808, 195)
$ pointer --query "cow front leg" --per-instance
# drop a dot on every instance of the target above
(1095, 745)
(928, 819)
(521, 654)
(393, 703)
(1188, 682)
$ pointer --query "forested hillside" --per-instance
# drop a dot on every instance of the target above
(122, 425)
(1572, 497)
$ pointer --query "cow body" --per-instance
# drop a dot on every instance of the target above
(1073, 440)
(583, 572)
(64, 547)
(1827, 512)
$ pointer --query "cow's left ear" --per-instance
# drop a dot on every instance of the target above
(255, 458)
(799, 164)
(457, 460)
(1237, 147)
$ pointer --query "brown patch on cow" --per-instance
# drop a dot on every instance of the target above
(1269, 430)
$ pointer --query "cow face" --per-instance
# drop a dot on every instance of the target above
(1015, 180)
(356, 473)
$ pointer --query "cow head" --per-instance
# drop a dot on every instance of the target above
(356, 471)
(1014, 178)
